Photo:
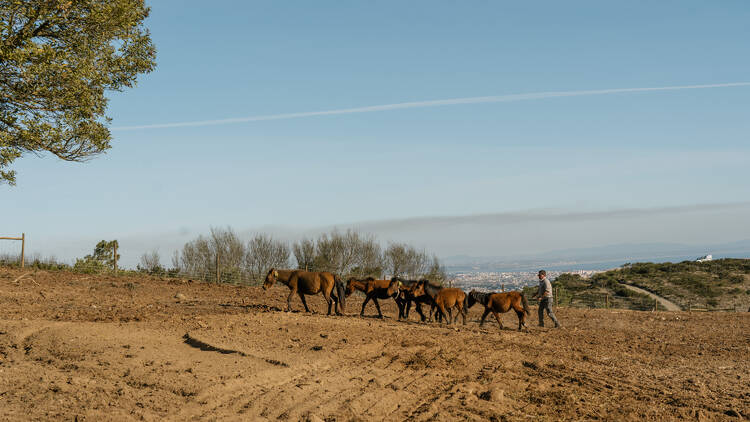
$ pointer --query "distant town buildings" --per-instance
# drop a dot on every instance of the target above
(497, 281)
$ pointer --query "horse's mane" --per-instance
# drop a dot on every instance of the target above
(362, 280)
(480, 297)
(430, 285)
(406, 282)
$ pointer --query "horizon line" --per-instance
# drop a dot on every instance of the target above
(424, 104)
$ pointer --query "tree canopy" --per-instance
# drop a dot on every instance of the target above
(58, 58)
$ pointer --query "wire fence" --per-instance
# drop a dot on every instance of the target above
(598, 300)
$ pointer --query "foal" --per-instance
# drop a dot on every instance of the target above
(448, 298)
(498, 303)
(374, 289)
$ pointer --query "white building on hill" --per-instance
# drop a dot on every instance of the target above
(705, 258)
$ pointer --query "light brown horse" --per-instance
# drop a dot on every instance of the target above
(498, 303)
(374, 289)
(308, 283)
(447, 299)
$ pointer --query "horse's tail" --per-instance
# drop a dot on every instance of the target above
(340, 292)
(525, 304)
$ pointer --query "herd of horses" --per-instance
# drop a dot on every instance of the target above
(441, 300)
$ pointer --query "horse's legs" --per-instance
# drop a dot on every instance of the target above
(446, 313)
(484, 315)
(404, 305)
(521, 319)
(329, 298)
(335, 298)
(304, 302)
(289, 299)
(497, 317)
(362, 312)
(463, 312)
(418, 306)
(377, 306)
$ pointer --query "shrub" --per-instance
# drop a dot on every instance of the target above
(737, 279)
(735, 291)
(101, 260)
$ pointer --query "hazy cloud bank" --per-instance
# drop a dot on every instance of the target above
(509, 234)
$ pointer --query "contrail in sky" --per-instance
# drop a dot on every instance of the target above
(429, 103)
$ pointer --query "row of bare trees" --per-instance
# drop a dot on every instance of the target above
(224, 256)
(360, 255)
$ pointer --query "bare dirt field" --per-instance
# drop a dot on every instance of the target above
(86, 347)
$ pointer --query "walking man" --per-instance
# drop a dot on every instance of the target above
(544, 296)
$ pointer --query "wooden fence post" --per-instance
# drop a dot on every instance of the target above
(557, 290)
(656, 305)
(115, 258)
(606, 300)
(23, 246)
(502, 287)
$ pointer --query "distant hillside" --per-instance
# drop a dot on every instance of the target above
(578, 292)
(719, 284)
(598, 258)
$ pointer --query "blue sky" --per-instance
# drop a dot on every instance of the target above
(231, 59)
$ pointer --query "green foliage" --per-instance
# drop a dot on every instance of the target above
(529, 291)
(682, 282)
(622, 291)
(103, 258)
(564, 296)
(58, 59)
(736, 279)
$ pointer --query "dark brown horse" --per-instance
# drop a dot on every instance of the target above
(361, 284)
(498, 303)
(308, 283)
(374, 290)
(418, 292)
(448, 298)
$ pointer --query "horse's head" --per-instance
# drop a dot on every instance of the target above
(472, 299)
(394, 287)
(417, 289)
(270, 278)
(350, 286)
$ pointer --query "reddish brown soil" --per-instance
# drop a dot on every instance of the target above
(124, 348)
